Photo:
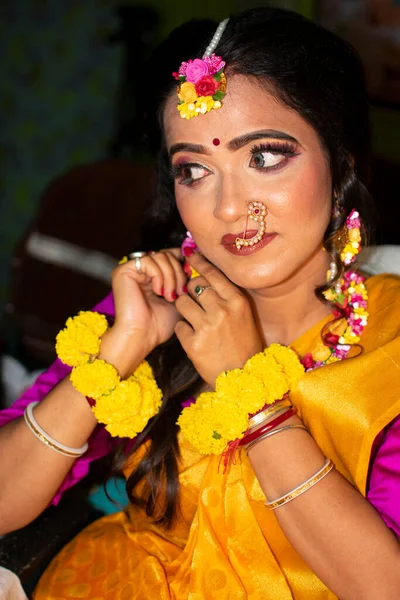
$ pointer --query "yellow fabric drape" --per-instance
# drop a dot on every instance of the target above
(225, 543)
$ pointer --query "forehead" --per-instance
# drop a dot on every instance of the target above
(247, 106)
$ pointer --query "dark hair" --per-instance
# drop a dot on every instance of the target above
(308, 69)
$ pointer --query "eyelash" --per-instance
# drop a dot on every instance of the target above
(177, 171)
(279, 148)
(286, 149)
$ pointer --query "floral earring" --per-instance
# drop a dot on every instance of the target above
(353, 238)
(349, 239)
(188, 246)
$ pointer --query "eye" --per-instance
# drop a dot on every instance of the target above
(265, 159)
(271, 156)
(189, 173)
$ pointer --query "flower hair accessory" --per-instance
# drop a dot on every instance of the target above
(202, 82)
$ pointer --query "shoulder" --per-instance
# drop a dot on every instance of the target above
(383, 308)
(383, 291)
(384, 282)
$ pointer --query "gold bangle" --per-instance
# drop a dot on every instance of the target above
(270, 411)
(323, 472)
(272, 432)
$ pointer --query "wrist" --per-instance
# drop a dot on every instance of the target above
(123, 351)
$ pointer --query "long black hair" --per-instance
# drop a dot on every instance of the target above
(309, 70)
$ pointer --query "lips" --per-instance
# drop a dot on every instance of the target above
(230, 238)
(228, 242)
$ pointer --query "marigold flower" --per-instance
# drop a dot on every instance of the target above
(205, 424)
(76, 343)
(94, 379)
(95, 321)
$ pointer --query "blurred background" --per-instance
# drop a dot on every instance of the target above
(74, 179)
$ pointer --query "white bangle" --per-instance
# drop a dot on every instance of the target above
(47, 439)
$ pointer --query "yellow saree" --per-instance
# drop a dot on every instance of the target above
(225, 543)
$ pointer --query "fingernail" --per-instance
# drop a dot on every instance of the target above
(162, 291)
(174, 295)
(188, 251)
(185, 289)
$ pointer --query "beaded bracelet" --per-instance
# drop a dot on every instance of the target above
(270, 433)
(45, 438)
(323, 472)
(247, 439)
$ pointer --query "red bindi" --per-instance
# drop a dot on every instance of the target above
(216, 142)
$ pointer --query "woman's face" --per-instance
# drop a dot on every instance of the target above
(252, 149)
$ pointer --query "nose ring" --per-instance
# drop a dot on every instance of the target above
(256, 211)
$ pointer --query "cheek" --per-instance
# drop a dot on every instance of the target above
(193, 208)
(304, 197)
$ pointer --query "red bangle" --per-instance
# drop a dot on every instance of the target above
(91, 402)
(268, 426)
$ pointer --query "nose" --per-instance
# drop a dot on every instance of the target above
(231, 201)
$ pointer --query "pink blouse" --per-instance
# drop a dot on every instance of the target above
(384, 475)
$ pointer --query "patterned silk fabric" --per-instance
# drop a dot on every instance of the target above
(225, 543)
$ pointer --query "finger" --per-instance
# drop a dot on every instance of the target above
(176, 252)
(203, 293)
(184, 333)
(169, 286)
(180, 275)
(149, 274)
(190, 311)
(218, 281)
(127, 295)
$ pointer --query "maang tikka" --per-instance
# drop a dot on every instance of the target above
(202, 82)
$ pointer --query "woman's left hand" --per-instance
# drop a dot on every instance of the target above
(219, 332)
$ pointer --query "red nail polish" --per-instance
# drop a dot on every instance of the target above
(185, 289)
(162, 291)
(188, 251)
(174, 295)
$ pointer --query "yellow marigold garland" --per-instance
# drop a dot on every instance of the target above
(124, 407)
(217, 418)
(95, 379)
(80, 338)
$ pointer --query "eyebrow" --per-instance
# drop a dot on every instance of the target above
(234, 144)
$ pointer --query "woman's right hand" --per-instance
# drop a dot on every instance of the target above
(145, 313)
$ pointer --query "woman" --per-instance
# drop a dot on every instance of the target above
(285, 145)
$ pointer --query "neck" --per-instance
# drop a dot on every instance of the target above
(285, 311)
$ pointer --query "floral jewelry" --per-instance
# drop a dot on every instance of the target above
(218, 418)
(353, 238)
(352, 301)
(256, 211)
(189, 242)
(124, 407)
(202, 82)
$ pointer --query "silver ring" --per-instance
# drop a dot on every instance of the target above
(136, 256)
(199, 289)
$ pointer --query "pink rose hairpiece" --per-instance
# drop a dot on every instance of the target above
(202, 82)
